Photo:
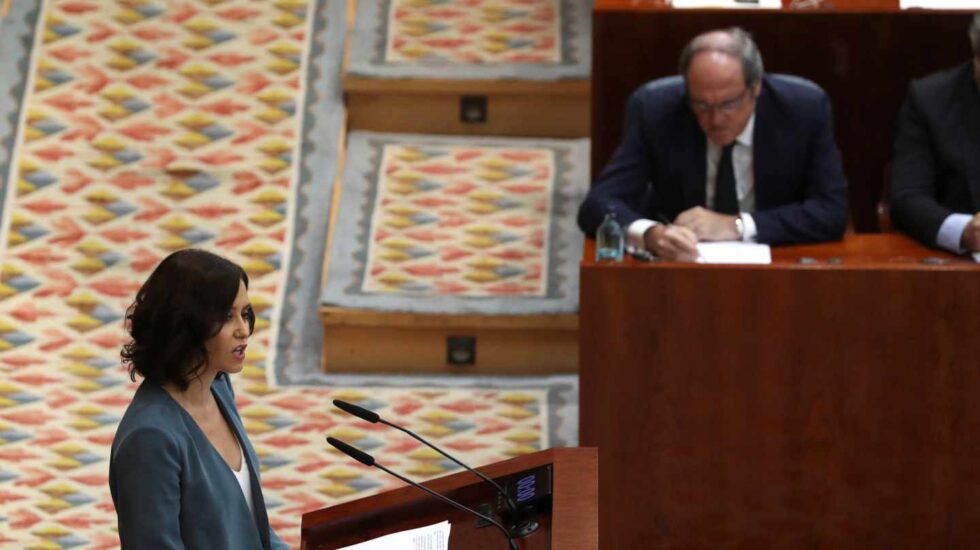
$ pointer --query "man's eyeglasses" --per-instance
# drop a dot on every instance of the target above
(727, 106)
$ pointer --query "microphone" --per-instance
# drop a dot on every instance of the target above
(373, 417)
(368, 460)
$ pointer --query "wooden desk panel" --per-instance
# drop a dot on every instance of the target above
(864, 53)
(786, 405)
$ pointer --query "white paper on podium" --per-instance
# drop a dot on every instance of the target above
(976, 257)
(971, 5)
(731, 252)
(765, 4)
(432, 537)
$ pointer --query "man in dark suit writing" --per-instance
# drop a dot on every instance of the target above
(935, 192)
(723, 152)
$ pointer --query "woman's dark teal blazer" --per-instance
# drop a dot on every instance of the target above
(170, 486)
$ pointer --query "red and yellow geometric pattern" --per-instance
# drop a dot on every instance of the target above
(461, 220)
(149, 126)
(474, 31)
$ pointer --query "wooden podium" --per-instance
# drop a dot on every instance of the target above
(568, 518)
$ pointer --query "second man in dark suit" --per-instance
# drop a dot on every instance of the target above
(935, 191)
(723, 152)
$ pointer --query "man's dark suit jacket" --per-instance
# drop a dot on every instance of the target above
(660, 165)
(936, 170)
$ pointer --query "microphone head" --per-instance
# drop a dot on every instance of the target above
(359, 412)
(352, 451)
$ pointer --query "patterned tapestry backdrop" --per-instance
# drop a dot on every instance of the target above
(472, 39)
(132, 128)
(458, 224)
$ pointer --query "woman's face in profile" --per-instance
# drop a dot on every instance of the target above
(226, 350)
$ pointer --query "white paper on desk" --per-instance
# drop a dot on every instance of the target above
(731, 252)
(976, 257)
(432, 537)
(971, 5)
(766, 4)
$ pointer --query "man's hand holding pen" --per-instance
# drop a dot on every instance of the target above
(708, 225)
(672, 242)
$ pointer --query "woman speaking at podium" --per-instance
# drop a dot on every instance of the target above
(182, 472)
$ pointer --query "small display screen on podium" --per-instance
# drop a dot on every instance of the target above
(530, 486)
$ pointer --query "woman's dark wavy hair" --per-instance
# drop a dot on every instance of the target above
(183, 303)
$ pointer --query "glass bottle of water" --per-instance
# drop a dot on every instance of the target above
(609, 241)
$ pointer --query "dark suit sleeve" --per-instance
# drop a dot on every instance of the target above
(623, 183)
(822, 214)
(146, 483)
(914, 207)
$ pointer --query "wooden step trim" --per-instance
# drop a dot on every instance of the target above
(518, 115)
(340, 317)
(514, 351)
(360, 84)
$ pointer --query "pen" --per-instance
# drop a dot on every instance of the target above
(642, 255)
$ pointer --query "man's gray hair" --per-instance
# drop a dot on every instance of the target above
(975, 35)
(741, 46)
